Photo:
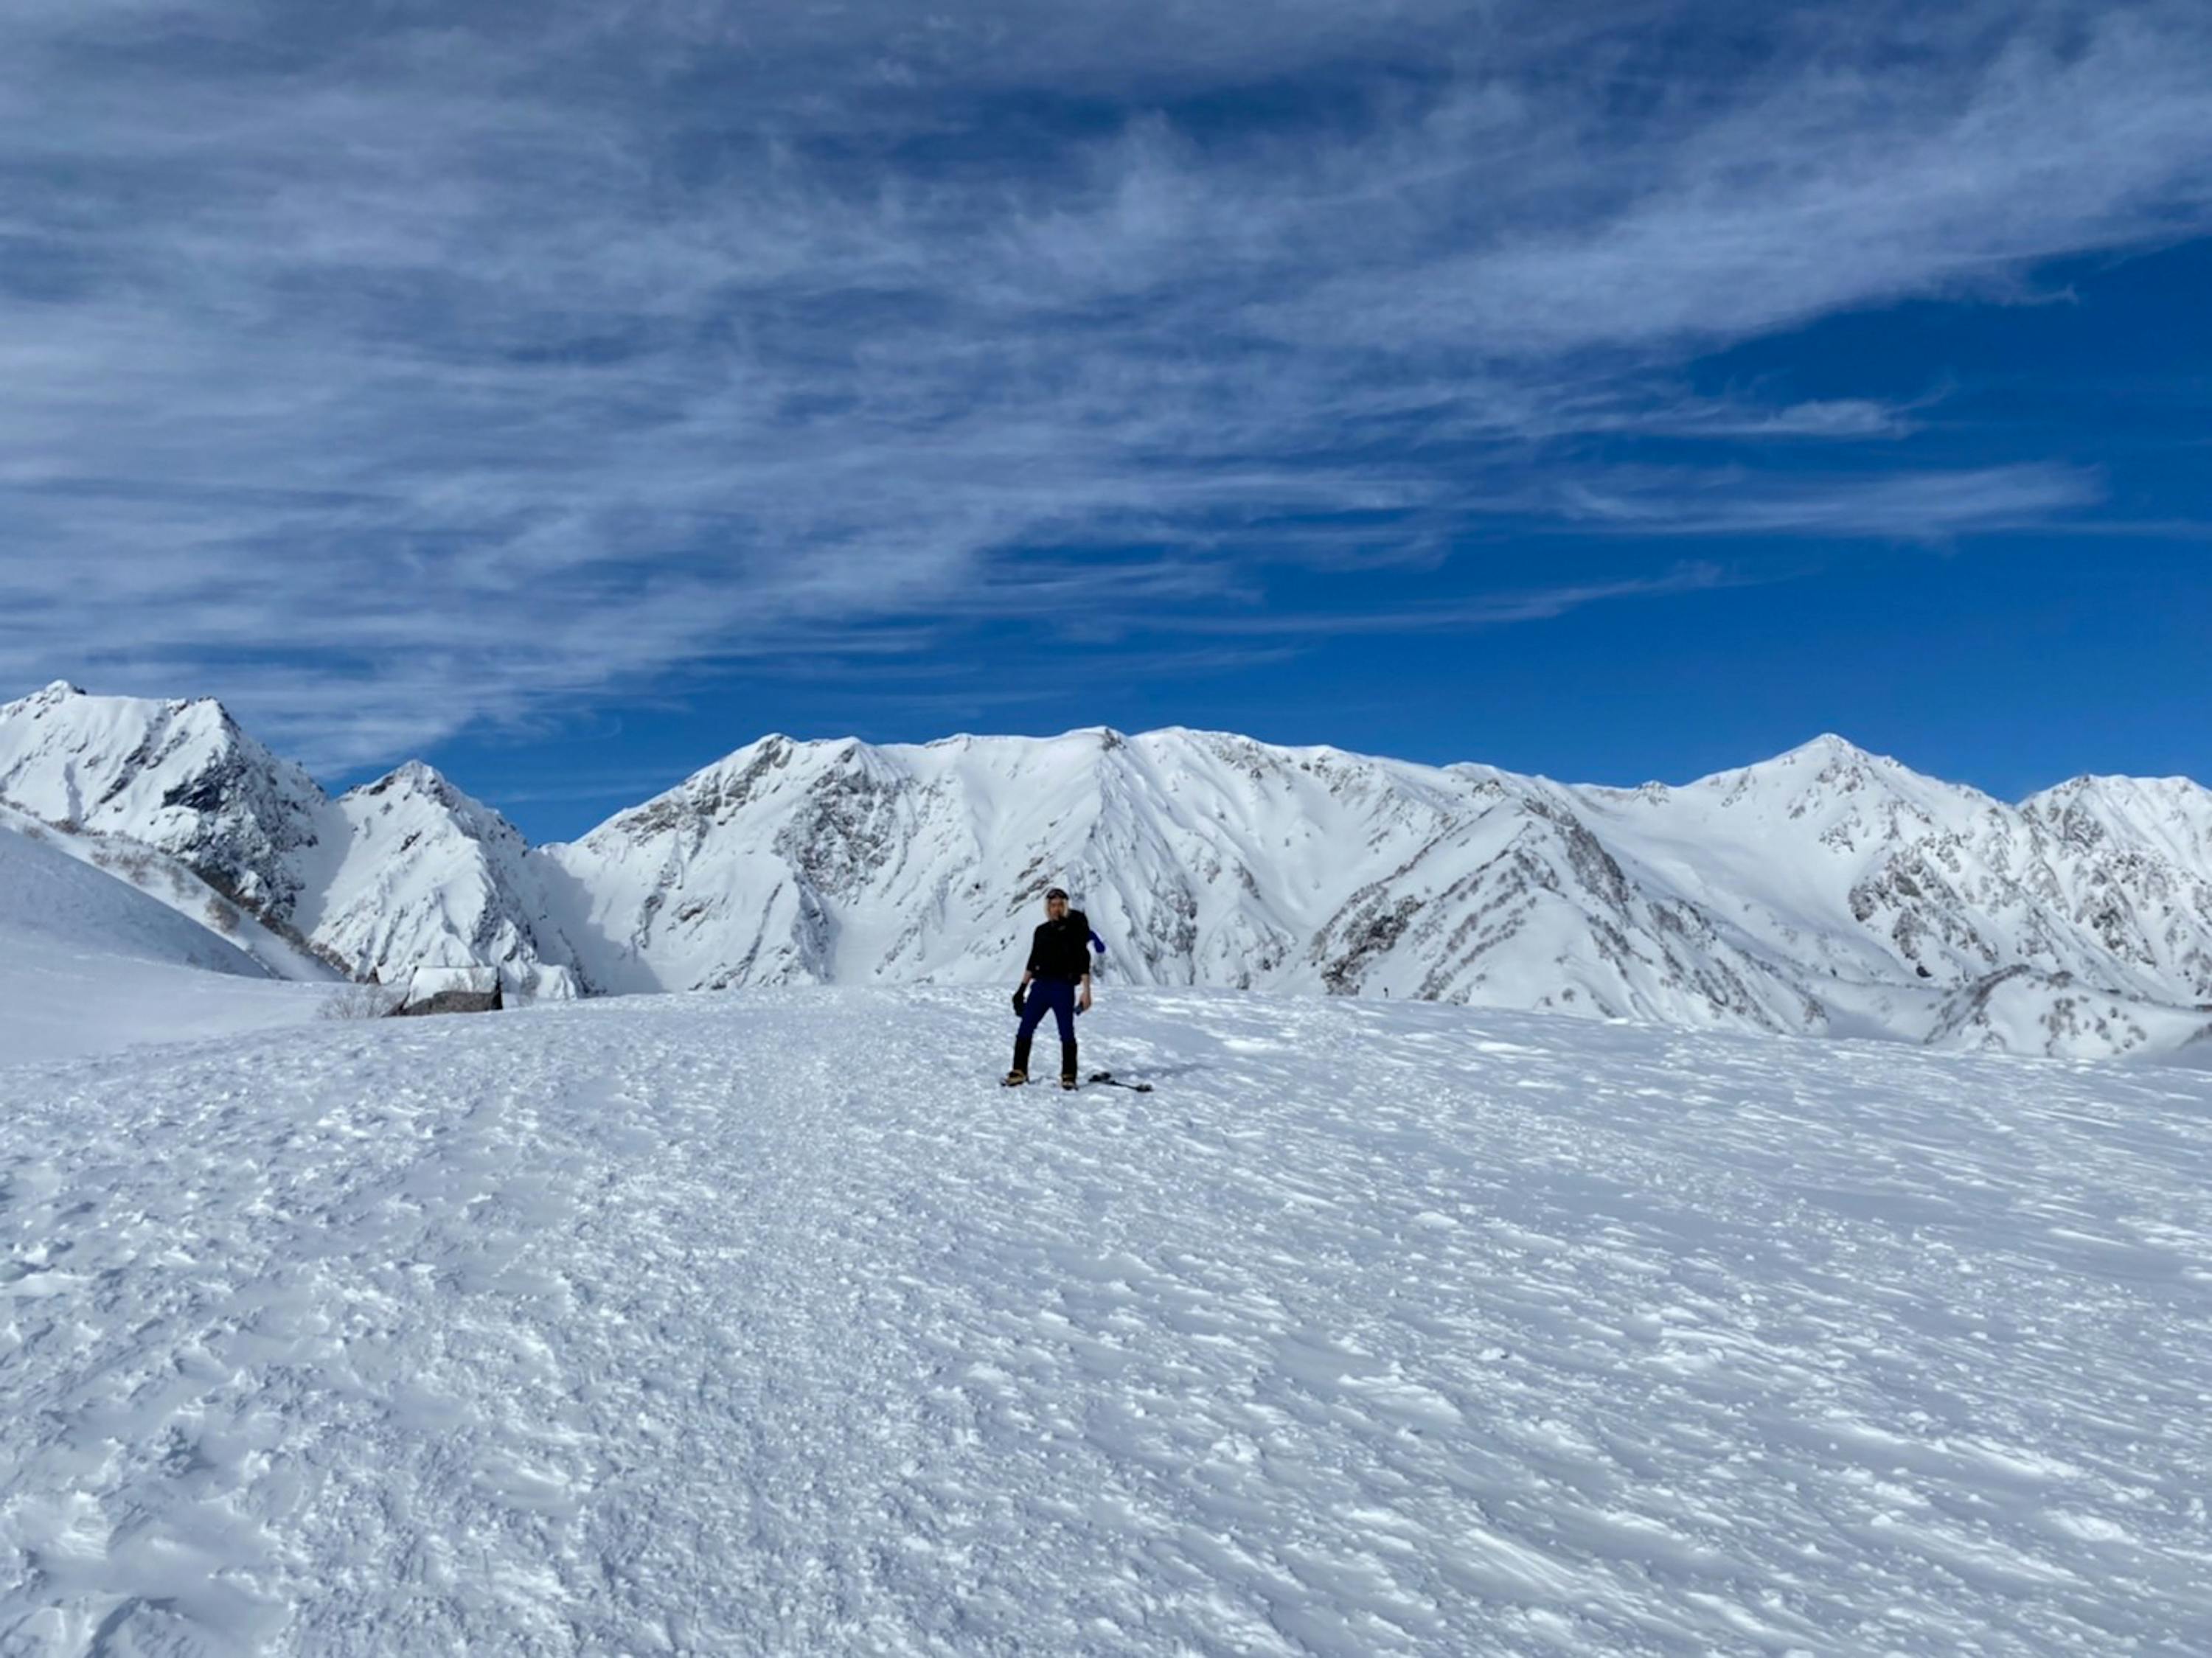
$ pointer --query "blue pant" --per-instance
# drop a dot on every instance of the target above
(1056, 996)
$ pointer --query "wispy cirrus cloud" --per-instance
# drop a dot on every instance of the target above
(1497, 610)
(1911, 507)
(420, 368)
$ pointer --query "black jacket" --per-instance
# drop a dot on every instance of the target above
(1061, 948)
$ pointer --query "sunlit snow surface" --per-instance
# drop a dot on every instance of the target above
(90, 962)
(766, 1321)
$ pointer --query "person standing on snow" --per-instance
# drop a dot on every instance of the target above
(1058, 980)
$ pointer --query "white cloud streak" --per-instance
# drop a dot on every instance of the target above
(1908, 508)
(440, 367)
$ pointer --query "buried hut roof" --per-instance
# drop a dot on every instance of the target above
(466, 987)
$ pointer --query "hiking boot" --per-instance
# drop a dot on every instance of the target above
(1015, 1078)
(1067, 1081)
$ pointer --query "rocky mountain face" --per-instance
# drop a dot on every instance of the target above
(402, 870)
(418, 873)
(179, 776)
(1826, 891)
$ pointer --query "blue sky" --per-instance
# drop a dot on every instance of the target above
(569, 395)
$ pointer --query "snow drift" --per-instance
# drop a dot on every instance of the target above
(663, 1324)
(89, 962)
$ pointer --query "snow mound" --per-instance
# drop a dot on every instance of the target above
(169, 882)
(2019, 1010)
(90, 963)
(47, 894)
(766, 1322)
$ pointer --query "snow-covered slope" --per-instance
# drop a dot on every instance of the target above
(1827, 890)
(1206, 859)
(89, 963)
(413, 871)
(170, 882)
(661, 1325)
(45, 893)
(180, 776)
(2133, 873)
(401, 871)
(1909, 907)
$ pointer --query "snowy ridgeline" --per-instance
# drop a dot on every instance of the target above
(766, 1322)
(1826, 891)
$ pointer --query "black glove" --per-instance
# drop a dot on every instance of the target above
(1021, 997)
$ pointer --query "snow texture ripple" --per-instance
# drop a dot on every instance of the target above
(765, 1322)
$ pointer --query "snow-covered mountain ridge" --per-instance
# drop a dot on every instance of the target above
(403, 871)
(1827, 890)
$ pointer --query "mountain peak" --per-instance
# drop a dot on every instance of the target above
(414, 776)
(1825, 754)
(414, 787)
(52, 696)
(1826, 747)
(1823, 758)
